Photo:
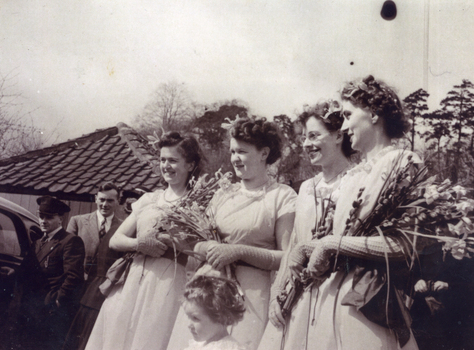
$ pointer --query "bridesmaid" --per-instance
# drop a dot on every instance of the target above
(329, 148)
(255, 219)
(350, 312)
(140, 314)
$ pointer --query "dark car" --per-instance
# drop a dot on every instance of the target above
(18, 268)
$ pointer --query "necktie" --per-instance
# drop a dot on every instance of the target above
(102, 229)
(43, 241)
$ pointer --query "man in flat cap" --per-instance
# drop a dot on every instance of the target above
(61, 259)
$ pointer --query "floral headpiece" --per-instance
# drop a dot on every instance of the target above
(229, 124)
(367, 85)
(331, 107)
(370, 92)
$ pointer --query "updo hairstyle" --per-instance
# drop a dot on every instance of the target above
(381, 100)
(218, 297)
(260, 133)
(188, 147)
(330, 113)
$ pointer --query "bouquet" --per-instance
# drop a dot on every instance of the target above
(190, 220)
(415, 208)
(294, 288)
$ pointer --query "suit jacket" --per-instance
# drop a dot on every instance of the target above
(61, 263)
(87, 227)
(92, 297)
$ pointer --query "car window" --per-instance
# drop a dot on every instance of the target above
(35, 233)
(8, 237)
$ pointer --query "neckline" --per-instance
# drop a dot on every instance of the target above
(173, 200)
(380, 154)
(366, 165)
(255, 189)
(327, 182)
(263, 186)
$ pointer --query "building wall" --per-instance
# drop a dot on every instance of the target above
(29, 203)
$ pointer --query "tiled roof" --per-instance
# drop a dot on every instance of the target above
(77, 167)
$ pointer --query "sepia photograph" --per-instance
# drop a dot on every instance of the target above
(236, 175)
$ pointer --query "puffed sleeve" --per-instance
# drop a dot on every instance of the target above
(144, 201)
(286, 200)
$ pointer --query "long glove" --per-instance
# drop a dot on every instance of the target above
(281, 278)
(224, 254)
(203, 247)
(301, 252)
(150, 245)
(370, 248)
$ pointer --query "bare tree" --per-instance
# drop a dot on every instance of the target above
(170, 108)
(18, 134)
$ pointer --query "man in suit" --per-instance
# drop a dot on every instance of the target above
(99, 257)
(61, 265)
(92, 227)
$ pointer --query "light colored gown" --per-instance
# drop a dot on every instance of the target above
(141, 313)
(298, 332)
(246, 217)
(226, 343)
(342, 327)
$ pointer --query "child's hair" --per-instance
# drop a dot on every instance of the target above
(219, 297)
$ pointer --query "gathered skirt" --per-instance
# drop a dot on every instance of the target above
(319, 321)
(140, 314)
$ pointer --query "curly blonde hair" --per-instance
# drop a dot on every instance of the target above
(218, 297)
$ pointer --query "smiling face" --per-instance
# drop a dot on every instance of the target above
(173, 166)
(249, 162)
(202, 327)
(358, 124)
(321, 144)
(107, 202)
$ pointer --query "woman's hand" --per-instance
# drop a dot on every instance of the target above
(220, 255)
(438, 286)
(165, 238)
(421, 287)
(320, 258)
(297, 260)
(174, 242)
(150, 245)
(275, 315)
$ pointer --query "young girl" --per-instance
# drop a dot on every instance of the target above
(212, 304)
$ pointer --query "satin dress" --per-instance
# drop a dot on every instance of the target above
(249, 218)
(140, 314)
(313, 196)
(343, 327)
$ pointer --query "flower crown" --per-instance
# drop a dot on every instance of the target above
(368, 85)
(229, 124)
(331, 108)
(370, 91)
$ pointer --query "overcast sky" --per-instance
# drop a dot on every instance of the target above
(89, 64)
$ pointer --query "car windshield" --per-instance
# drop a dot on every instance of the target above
(8, 237)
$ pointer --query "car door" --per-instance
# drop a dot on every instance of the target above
(11, 258)
(18, 272)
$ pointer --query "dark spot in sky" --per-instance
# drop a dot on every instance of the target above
(389, 10)
(352, 63)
